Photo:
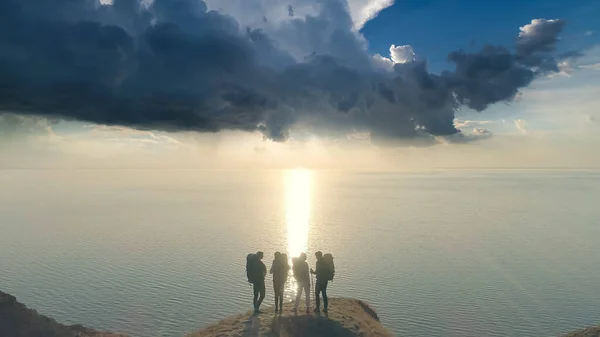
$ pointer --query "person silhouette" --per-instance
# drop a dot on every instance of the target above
(258, 282)
(302, 276)
(276, 272)
(322, 272)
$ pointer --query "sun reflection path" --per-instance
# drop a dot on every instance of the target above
(297, 204)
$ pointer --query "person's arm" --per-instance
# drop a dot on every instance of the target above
(271, 270)
(264, 270)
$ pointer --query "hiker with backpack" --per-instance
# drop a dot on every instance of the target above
(256, 271)
(279, 270)
(302, 276)
(325, 271)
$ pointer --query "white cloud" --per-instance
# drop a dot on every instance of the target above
(364, 10)
(382, 62)
(129, 134)
(564, 69)
(254, 12)
(462, 124)
(595, 66)
(402, 54)
(398, 54)
(532, 29)
(588, 33)
(521, 126)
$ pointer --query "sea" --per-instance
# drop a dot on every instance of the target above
(435, 252)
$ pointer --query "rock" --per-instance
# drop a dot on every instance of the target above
(346, 318)
(16, 320)
(589, 332)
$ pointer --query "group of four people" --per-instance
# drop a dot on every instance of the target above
(257, 272)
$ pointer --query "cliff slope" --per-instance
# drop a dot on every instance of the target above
(16, 320)
(589, 332)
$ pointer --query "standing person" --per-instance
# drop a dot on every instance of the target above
(323, 273)
(257, 271)
(302, 276)
(275, 270)
(282, 277)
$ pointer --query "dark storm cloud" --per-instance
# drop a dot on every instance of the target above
(486, 77)
(174, 65)
(496, 74)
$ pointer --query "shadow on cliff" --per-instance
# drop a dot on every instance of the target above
(317, 326)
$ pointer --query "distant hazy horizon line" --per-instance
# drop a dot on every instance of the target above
(299, 167)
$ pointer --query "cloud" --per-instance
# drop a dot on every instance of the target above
(463, 124)
(15, 127)
(251, 12)
(565, 68)
(465, 137)
(175, 65)
(402, 54)
(595, 66)
(365, 10)
(521, 126)
(383, 63)
(398, 54)
(120, 132)
(540, 35)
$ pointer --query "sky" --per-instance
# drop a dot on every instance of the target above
(372, 84)
(436, 27)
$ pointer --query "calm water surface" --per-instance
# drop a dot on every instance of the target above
(439, 253)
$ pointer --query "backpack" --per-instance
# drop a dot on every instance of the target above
(252, 268)
(299, 269)
(328, 259)
(285, 268)
(280, 270)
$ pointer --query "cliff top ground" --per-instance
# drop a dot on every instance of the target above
(346, 318)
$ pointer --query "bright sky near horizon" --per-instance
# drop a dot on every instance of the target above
(394, 81)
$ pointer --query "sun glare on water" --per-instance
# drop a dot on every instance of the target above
(297, 206)
(297, 189)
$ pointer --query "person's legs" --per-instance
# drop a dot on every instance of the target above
(307, 291)
(281, 301)
(298, 295)
(261, 290)
(324, 292)
(255, 288)
(317, 297)
(276, 292)
(280, 295)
